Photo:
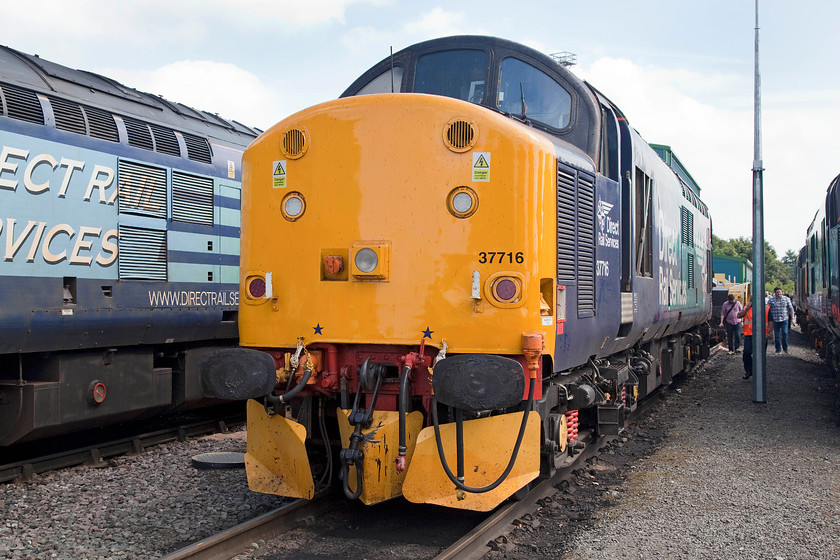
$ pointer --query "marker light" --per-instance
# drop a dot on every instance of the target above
(462, 202)
(293, 206)
(504, 289)
(256, 288)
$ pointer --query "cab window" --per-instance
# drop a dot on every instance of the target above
(545, 100)
(461, 74)
(383, 82)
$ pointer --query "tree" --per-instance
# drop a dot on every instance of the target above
(776, 272)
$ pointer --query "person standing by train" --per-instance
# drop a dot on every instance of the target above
(747, 315)
(729, 317)
(781, 313)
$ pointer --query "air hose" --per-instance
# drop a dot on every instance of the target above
(459, 481)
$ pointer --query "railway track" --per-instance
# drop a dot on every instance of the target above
(41, 457)
(484, 534)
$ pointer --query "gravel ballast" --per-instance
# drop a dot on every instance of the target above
(710, 474)
(142, 506)
(706, 474)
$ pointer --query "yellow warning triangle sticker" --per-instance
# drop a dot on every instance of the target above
(279, 169)
(481, 162)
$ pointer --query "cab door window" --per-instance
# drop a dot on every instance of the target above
(531, 93)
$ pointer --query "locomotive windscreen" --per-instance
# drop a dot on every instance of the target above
(461, 74)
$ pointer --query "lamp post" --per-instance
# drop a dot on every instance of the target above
(759, 321)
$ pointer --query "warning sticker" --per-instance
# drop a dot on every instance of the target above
(279, 174)
(481, 166)
(231, 170)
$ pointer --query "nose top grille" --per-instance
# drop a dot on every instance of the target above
(294, 143)
(460, 135)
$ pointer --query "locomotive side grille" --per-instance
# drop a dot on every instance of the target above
(690, 275)
(687, 226)
(197, 148)
(68, 116)
(294, 143)
(142, 190)
(101, 124)
(22, 104)
(709, 273)
(586, 245)
(165, 141)
(139, 135)
(459, 135)
(565, 224)
(192, 198)
(142, 254)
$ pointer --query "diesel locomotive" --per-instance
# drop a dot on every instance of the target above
(119, 227)
(451, 275)
(818, 279)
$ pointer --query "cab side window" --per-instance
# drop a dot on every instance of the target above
(386, 82)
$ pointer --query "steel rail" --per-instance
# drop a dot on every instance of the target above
(96, 453)
(235, 540)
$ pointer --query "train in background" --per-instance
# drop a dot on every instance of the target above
(119, 227)
(818, 280)
(445, 288)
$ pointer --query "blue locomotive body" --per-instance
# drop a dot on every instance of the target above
(119, 227)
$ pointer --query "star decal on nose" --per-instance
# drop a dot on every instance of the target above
(318, 328)
(427, 333)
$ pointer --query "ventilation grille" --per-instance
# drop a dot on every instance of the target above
(139, 135)
(565, 225)
(576, 235)
(294, 143)
(142, 189)
(709, 273)
(21, 104)
(142, 254)
(192, 199)
(586, 246)
(459, 135)
(165, 141)
(197, 148)
(687, 226)
(68, 116)
(690, 275)
(101, 124)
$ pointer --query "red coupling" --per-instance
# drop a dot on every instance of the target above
(400, 461)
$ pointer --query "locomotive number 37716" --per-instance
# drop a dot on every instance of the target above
(501, 257)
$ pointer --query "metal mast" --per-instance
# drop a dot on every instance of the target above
(759, 321)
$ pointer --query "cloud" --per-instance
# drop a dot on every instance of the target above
(436, 23)
(708, 120)
(156, 22)
(215, 87)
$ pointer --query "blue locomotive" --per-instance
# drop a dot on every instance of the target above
(119, 228)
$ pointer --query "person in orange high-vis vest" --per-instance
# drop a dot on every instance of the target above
(747, 315)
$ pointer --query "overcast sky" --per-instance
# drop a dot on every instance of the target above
(682, 72)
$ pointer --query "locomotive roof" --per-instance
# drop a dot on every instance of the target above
(54, 80)
(582, 130)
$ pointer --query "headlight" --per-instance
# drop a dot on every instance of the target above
(366, 260)
(369, 260)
